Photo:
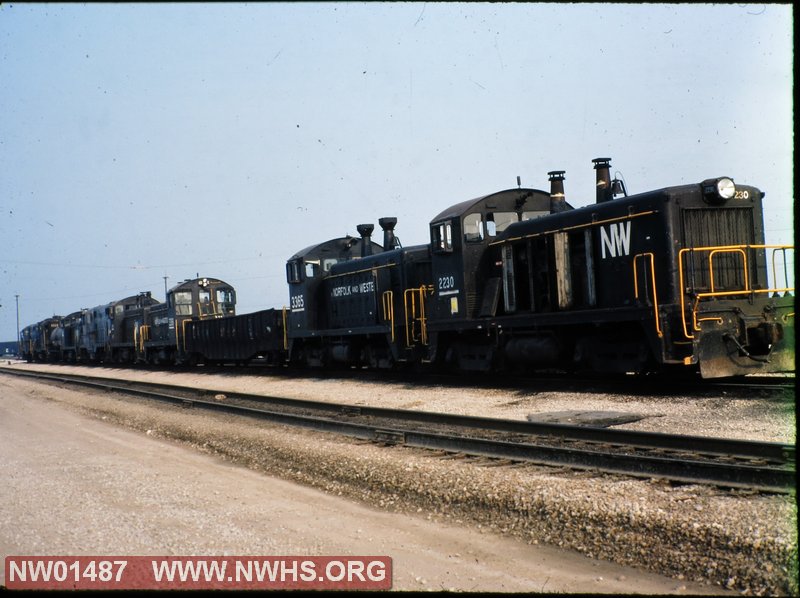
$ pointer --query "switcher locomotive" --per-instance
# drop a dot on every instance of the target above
(678, 278)
(135, 329)
(672, 277)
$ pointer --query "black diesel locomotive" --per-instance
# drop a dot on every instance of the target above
(676, 278)
(135, 329)
(673, 277)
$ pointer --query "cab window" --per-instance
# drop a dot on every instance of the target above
(473, 228)
(294, 272)
(204, 302)
(224, 296)
(225, 301)
(183, 303)
(442, 236)
(312, 268)
(497, 222)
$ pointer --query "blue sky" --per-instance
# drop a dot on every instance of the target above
(149, 140)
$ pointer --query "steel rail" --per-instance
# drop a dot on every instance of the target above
(770, 478)
(747, 449)
(711, 446)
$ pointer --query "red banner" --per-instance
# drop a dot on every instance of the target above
(198, 573)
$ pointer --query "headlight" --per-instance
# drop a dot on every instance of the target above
(726, 188)
(718, 190)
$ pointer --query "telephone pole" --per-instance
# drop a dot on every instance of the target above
(18, 345)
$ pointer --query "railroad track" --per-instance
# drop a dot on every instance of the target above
(763, 466)
(655, 385)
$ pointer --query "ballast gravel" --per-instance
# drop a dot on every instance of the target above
(736, 540)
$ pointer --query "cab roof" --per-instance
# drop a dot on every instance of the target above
(508, 200)
(342, 248)
(191, 283)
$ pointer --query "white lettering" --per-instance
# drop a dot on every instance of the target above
(376, 571)
(17, 571)
(353, 289)
(617, 240)
(297, 303)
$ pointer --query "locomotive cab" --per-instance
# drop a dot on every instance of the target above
(202, 298)
(161, 333)
(467, 272)
(460, 237)
(71, 333)
(124, 314)
(36, 341)
(26, 342)
(51, 341)
(306, 272)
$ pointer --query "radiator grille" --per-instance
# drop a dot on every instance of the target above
(716, 227)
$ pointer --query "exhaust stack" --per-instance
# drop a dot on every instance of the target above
(603, 168)
(389, 240)
(365, 230)
(557, 198)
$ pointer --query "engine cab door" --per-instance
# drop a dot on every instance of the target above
(447, 268)
(509, 282)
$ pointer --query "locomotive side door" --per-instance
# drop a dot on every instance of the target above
(448, 272)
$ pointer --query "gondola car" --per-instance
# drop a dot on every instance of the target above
(239, 339)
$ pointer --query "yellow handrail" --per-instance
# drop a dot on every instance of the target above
(653, 280)
(387, 301)
(144, 335)
(409, 320)
(285, 331)
(741, 249)
(183, 330)
(744, 265)
(775, 251)
(411, 317)
(211, 314)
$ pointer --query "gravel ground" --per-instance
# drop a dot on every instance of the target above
(77, 484)
(737, 540)
(756, 418)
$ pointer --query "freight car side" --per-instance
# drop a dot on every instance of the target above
(238, 339)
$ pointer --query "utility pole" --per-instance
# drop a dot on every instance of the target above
(19, 352)
(165, 287)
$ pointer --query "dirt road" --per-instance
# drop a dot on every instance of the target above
(73, 484)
